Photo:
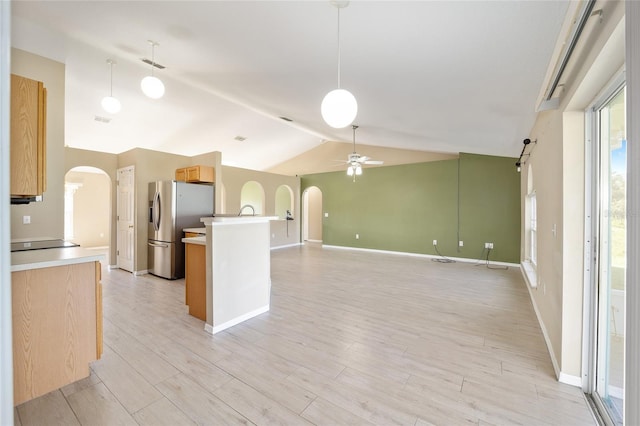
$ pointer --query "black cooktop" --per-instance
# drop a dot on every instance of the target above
(39, 245)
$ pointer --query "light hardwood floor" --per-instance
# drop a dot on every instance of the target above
(351, 338)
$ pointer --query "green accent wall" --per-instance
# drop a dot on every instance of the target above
(404, 208)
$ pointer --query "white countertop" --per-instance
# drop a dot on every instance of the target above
(35, 259)
(235, 220)
(195, 240)
(195, 230)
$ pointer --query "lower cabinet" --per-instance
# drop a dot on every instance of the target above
(195, 280)
(57, 327)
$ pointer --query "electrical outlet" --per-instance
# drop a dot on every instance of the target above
(488, 245)
(435, 242)
(326, 214)
(460, 243)
(357, 236)
(26, 220)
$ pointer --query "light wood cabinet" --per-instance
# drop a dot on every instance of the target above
(196, 174)
(57, 327)
(195, 280)
(28, 136)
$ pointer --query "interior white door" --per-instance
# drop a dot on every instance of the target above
(126, 218)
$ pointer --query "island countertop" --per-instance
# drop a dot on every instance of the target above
(235, 220)
(201, 240)
(35, 259)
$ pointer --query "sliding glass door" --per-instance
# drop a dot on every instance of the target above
(610, 257)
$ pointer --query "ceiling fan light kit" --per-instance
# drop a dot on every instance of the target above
(339, 107)
(355, 160)
(109, 103)
(151, 85)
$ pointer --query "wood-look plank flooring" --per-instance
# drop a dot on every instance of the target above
(351, 338)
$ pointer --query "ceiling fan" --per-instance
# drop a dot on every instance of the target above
(355, 160)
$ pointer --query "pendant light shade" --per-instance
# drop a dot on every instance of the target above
(109, 103)
(339, 107)
(151, 85)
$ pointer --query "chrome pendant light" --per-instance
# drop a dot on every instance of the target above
(339, 107)
(109, 103)
(151, 85)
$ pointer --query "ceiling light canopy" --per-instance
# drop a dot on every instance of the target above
(339, 107)
(151, 85)
(109, 103)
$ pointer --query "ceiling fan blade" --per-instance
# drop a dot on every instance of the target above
(374, 162)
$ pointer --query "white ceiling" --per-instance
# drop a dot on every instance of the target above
(442, 76)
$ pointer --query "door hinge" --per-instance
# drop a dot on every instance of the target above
(117, 252)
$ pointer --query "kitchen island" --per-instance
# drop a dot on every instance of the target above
(57, 318)
(238, 269)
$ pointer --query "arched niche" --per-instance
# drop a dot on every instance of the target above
(284, 201)
(252, 194)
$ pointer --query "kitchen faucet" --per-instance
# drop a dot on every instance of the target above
(253, 211)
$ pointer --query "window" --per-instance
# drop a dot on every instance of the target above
(533, 229)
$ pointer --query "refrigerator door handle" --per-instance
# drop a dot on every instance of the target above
(157, 245)
(156, 211)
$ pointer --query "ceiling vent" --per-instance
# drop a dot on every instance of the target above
(240, 138)
(101, 119)
(152, 63)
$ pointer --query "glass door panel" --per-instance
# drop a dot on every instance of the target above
(612, 256)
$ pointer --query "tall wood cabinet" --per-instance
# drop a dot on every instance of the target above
(28, 136)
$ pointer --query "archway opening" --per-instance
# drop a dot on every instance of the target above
(87, 208)
(312, 214)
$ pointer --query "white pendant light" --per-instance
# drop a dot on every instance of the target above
(151, 85)
(109, 103)
(339, 107)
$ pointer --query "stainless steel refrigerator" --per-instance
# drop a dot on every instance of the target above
(174, 206)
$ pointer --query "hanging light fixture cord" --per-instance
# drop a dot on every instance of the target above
(354, 138)
(111, 77)
(339, 51)
(153, 61)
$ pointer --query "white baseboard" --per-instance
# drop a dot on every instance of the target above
(569, 379)
(237, 320)
(314, 241)
(547, 341)
(110, 267)
(285, 246)
(141, 272)
(426, 256)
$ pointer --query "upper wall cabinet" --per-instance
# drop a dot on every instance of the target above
(196, 174)
(28, 136)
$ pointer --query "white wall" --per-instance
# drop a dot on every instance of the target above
(558, 173)
(6, 344)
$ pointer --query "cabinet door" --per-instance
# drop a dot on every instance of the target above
(203, 174)
(181, 175)
(193, 174)
(99, 342)
(28, 136)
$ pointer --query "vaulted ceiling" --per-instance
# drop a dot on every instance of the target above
(434, 76)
